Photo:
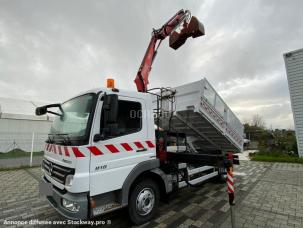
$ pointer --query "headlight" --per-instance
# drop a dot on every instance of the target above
(71, 206)
(69, 180)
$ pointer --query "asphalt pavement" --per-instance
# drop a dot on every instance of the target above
(267, 195)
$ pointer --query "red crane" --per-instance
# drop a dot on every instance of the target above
(191, 27)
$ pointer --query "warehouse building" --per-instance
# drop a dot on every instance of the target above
(294, 68)
(19, 125)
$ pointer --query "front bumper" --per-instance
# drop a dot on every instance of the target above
(80, 198)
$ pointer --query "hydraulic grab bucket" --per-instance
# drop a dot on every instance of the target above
(180, 20)
(193, 29)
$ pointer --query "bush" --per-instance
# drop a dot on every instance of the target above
(276, 156)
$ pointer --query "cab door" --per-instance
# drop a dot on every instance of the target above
(118, 152)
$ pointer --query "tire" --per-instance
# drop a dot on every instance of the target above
(143, 201)
(220, 179)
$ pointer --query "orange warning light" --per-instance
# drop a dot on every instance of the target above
(110, 83)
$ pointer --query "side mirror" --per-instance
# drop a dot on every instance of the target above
(110, 115)
(41, 111)
(110, 107)
(97, 137)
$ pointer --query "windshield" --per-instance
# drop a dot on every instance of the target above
(74, 120)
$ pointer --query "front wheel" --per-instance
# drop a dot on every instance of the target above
(143, 201)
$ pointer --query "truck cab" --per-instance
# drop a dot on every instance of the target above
(96, 143)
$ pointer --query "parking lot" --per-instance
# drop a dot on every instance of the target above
(267, 195)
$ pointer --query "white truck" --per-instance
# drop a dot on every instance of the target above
(110, 148)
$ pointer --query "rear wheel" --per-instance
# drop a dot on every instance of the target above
(143, 201)
(221, 178)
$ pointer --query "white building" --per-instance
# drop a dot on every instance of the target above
(294, 68)
(18, 123)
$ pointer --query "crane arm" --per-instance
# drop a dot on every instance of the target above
(193, 28)
(143, 72)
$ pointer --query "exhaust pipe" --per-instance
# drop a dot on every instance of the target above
(193, 29)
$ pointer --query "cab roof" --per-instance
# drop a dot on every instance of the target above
(117, 91)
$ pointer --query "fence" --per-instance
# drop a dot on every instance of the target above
(27, 142)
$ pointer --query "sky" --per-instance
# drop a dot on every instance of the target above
(53, 50)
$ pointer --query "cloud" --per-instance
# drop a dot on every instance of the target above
(52, 50)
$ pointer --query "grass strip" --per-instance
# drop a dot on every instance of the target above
(275, 157)
(17, 153)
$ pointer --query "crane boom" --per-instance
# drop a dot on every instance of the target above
(194, 28)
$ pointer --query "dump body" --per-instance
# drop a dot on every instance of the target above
(202, 114)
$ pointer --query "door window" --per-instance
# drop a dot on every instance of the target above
(129, 118)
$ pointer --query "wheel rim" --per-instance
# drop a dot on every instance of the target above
(145, 201)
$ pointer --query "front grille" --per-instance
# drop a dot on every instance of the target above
(57, 172)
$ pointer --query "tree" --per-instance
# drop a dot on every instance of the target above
(258, 121)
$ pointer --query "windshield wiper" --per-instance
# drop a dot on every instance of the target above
(49, 139)
(66, 139)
